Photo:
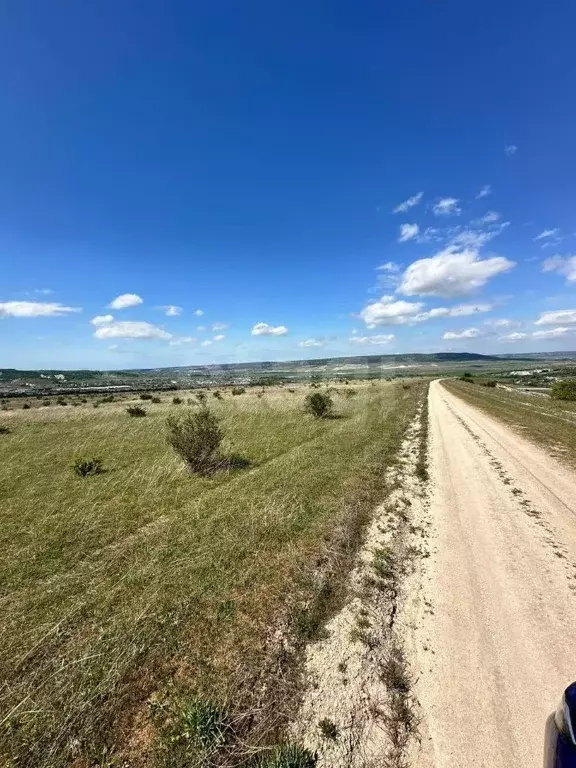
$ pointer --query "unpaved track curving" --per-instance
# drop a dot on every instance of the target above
(495, 643)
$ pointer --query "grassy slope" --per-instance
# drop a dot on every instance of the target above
(115, 584)
(549, 423)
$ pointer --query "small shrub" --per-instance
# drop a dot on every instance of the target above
(217, 395)
(491, 384)
(196, 437)
(86, 467)
(467, 375)
(145, 396)
(4, 430)
(405, 386)
(291, 391)
(45, 403)
(107, 399)
(83, 400)
(319, 405)
(176, 401)
(26, 406)
(135, 410)
(95, 405)
(201, 397)
(468, 379)
(328, 729)
(564, 390)
(350, 393)
(238, 390)
(61, 401)
(155, 400)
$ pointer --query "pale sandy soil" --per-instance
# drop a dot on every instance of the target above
(494, 644)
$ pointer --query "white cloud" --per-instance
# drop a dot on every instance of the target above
(451, 272)
(263, 329)
(557, 317)
(503, 322)
(102, 320)
(183, 340)
(219, 326)
(376, 340)
(389, 266)
(389, 311)
(553, 333)
(311, 343)
(172, 310)
(206, 343)
(112, 347)
(34, 309)
(125, 300)
(407, 232)
(407, 204)
(219, 337)
(467, 333)
(564, 265)
(447, 206)
(488, 218)
(43, 291)
(128, 329)
(484, 192)
(510, 149)
(198, 312)
(201, 328)
(547, 233)
(512, 337)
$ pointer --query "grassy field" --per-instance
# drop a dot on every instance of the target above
(548, 423)
(126, 592)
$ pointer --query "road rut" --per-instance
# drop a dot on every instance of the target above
(495, 640)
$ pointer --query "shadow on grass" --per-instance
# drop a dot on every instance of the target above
(231, 463)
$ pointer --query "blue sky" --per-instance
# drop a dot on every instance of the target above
(241, 163)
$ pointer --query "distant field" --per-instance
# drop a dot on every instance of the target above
(147, 582)
(549, 423)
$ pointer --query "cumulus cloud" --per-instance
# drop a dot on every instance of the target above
(128, 329)
(219, 337)
(553, 333)
(503, 322)
(125, 300)
(34, 309)
(452, 272)
(206, 343)
(389, 311)
(198, 312)
(172, 310)
(512, 337)
(102, 319)
(564, 265)
(376, 340)
(484, 192)
(407, 232)
(219, 326)
(447, 206)
(557, 317)
(263, 329)
(510, 149)
(407, 204)
(311, 343)
(467, 333)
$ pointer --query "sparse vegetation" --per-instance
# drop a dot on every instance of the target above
(319, 404)
(176, 401)
(25, 406)
(145, 396)
(564, 390)
(135, 410)
(217, 395)
(86, 467)
(238, 390)
(328, 729)
(4, 430)
(149, 582)
(61, 401)
(156, 400)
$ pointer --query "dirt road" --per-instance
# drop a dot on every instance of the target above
(496, 639)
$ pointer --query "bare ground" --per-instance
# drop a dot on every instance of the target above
(493, 646)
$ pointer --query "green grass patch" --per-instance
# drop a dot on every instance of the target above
(147, 581)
